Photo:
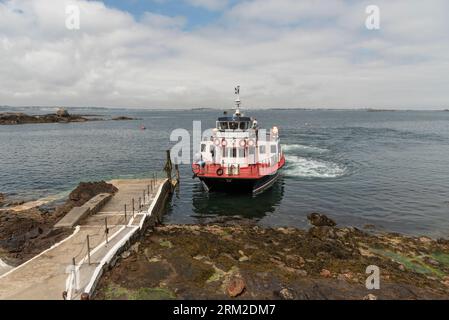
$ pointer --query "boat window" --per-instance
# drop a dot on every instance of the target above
(273, 148)
(243, 125)
(234, 152)
(251, 151)
(233, 125)
(203, 147)
(224, 125)
(262, 149)
(242, 153)
(224, 152)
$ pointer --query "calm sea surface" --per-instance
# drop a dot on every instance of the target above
(388, 169)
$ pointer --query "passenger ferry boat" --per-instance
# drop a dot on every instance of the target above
(239, 156)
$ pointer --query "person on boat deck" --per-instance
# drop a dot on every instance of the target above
(212, 153)
(255, 124)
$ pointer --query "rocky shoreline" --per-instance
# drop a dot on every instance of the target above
(241, 260)
(26, 233)
(234, 258)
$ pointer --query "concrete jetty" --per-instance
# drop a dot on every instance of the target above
(73, 266)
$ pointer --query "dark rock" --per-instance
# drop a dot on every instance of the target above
(123, 118)
(11, 118)
(323, 233)
(87, 190)
(34, 233)
(320, 220)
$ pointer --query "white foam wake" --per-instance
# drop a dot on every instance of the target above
(300, 147)
(310, 168)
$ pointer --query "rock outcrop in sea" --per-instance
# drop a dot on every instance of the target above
(12, 118)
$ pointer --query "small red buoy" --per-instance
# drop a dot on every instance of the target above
(142, 127)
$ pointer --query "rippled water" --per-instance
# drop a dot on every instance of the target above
(389, 169)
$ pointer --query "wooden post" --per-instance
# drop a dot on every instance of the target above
(144, 197)
(133, 207)
(140, 204)
(177, 172)
(126, 217)
(74, 273)
(168, 166)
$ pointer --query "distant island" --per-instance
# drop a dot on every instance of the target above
(61, 116)
(123, 118)
(379, 110)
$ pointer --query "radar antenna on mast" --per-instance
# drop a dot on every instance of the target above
(237, 101)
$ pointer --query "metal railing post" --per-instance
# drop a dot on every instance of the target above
(126, 218)
(75, 280)
(88, 249)
(106, 229)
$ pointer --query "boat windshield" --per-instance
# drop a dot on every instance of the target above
(223, 125)
(233, 125)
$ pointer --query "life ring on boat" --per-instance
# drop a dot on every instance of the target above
(217, 142)
(220, 172)
(197, 168)
(251, 142)
(243, 143)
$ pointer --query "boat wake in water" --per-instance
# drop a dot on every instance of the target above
(309, 168)
(300, 147)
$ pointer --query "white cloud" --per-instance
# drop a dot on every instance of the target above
(209, 4)
(284, 53)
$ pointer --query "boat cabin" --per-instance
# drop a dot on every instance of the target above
(234, 123)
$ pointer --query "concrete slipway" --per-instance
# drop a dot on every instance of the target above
(52, 274)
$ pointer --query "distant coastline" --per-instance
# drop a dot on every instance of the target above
(61, 116)
(5, 109)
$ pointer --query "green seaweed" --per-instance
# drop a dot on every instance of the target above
(165, 244)
(115, 292)
(415, 264)
(441, 257)
(153, 294)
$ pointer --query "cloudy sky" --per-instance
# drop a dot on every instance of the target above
(191, 53)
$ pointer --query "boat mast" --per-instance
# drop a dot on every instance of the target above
(237, 101)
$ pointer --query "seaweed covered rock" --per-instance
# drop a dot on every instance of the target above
(320, 220)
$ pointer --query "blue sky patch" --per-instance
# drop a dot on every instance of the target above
(196, 16)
